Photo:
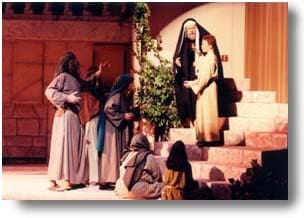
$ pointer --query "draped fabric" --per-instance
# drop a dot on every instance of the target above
(266, 47)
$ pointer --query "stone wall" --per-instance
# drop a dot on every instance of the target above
(31, 50)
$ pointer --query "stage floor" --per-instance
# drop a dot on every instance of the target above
(29, 182)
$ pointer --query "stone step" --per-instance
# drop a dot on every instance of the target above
(260, 110)
(188, 136)
(204, 171)
(275, 124)
(236, 84)
(275, 140)
(163, 149)
(266, 140)
(234, 137)
(251, 96)
(237, 155)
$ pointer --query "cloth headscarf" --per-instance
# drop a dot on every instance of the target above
(120, 84)
(200, 32)
(136, 164)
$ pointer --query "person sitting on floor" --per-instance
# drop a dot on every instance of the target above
(178, 181)
(140, 175)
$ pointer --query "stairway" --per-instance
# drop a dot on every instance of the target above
(256, 128)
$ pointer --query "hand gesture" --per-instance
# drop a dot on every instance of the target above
(178, 62)
(73, 98)
(129, 116)
(187, 84)
(102, 66)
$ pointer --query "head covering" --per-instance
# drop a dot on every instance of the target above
(200, 32)
(139, 142)
(120, 84)
(136, 164)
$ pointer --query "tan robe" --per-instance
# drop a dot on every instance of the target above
(206, 124)
(148, 187)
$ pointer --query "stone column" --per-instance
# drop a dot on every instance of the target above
(86, 11)
(105, 12)
(47, 8)
(67, 9)
(9, 8)
(28, 8)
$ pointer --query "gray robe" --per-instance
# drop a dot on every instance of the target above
(67, 158)
(149, 185)
(116, 139)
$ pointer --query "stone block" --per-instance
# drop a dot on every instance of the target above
(187, 135)
(281, 124)
(232, 137)
(259, 139)
(196, 169)
(7, 110)
(236, 84)
(238, 123)
(43, 127)
(28, 127)
(256, 110)
(41, 110)
(38, 152)
(7, 57)
(163, 149)
(49, 73)
(24, 111)
(28, 52)
(25, 141)
(20, 152)
(283, 110)
(246, 96)
(6, 88)
(40, 142)
(249, 155)
(264, 97)
(83, 52)
(27, 83)
(280, 141)
(54, 50)
(261, 124)
(224, 155)
(9, 127)
(5, 152)
(266, 140)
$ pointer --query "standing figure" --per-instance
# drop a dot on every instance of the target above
(205, 87)
(64, 93)
(117, 130)
(89, 119)
(140, 175)
(189, 41)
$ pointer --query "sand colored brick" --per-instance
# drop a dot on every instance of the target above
(28, 127)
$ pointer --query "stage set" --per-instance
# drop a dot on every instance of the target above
(252, 73)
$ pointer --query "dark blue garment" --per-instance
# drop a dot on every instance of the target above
(121, 83)
(101, 131)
